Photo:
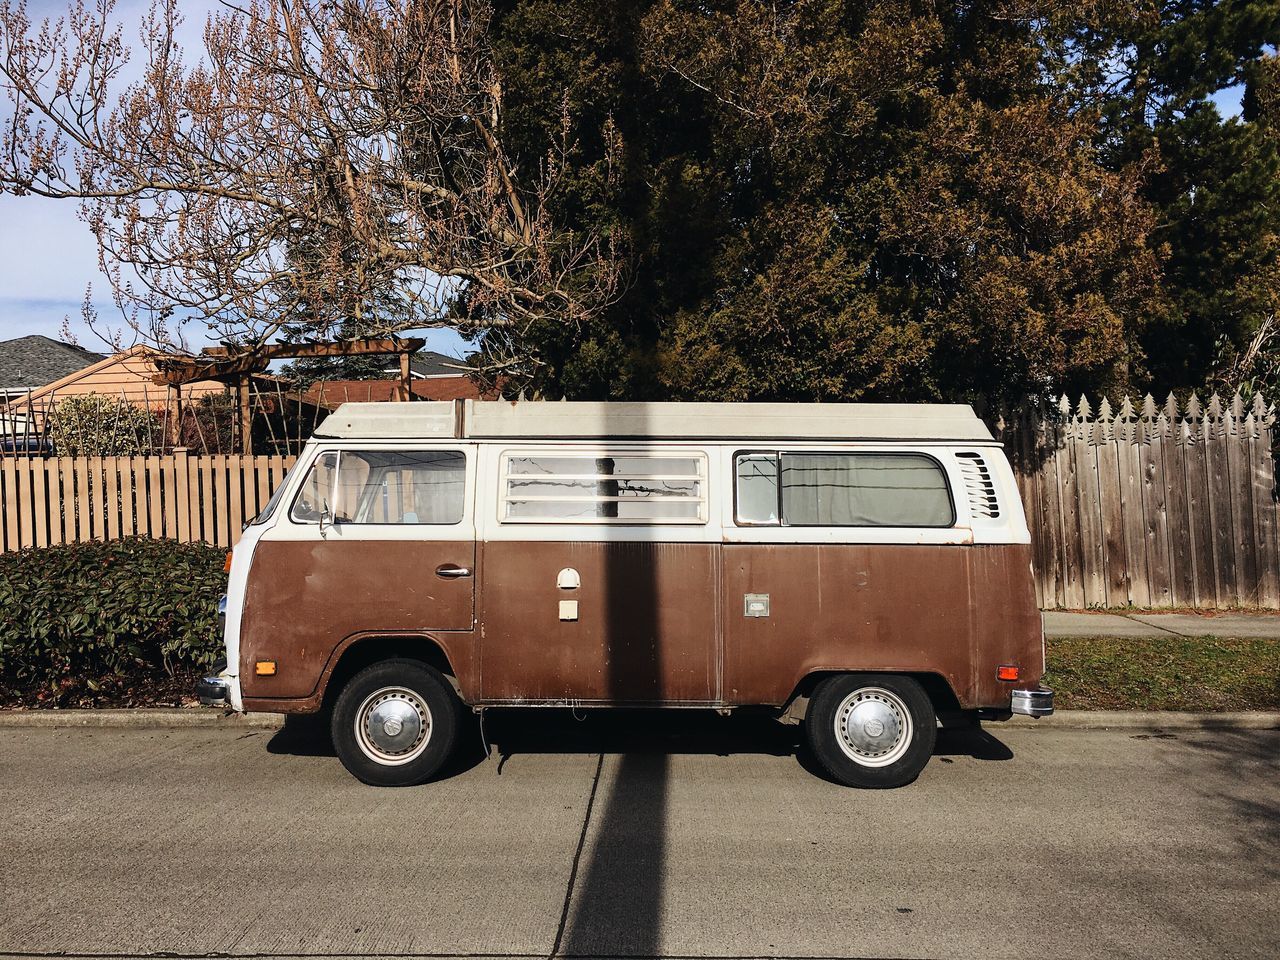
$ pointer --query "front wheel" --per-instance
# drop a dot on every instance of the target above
(871, 730)
(395, 723)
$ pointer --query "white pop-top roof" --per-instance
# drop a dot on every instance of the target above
(496, 419)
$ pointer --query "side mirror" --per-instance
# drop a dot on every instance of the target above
(326, 517)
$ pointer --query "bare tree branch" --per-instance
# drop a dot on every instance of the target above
(318, 158)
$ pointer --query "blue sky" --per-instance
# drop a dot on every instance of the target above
(48, 258)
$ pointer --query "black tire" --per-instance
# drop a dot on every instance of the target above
(898, 698)
(413, 686)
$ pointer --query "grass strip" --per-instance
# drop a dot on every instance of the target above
(1164, 673)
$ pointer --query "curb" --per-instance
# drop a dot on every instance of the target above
(1148, 720)
(142, 718)
(211, 718)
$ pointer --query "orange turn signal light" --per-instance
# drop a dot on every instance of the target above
(226, 564)
(265, 668)
(1006, 673)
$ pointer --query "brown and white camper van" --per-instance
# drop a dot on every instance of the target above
(863, 569)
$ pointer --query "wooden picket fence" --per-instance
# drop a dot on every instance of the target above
(1150, 506)
(1144, 506)
(55, 500)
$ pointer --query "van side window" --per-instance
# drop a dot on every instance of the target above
(384, 486)
(604, 488)
(842, 490)
(758, 501)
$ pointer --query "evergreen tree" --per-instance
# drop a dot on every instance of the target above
(829, 200)
(1213, 180)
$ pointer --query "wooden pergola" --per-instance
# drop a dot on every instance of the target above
(237, 367)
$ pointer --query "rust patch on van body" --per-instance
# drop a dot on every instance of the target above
(958, 611)
(305, 599)
(657, 623)
(646, 630)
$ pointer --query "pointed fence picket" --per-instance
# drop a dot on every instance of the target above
(180, 496)
(1150, 506)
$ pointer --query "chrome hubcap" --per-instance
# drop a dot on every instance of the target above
(873, 727)
(393, 725)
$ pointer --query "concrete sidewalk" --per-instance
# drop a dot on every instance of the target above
(1059, 623)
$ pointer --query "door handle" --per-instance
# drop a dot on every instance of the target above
(451, 572)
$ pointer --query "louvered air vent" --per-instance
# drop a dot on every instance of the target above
(979, 485)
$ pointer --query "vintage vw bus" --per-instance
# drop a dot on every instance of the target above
(864, 569)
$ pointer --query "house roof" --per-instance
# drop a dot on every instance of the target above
(333, 393)
(428, 363)
(30, 362)
(104, 366)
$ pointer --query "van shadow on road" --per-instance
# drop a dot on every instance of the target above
(529, 730)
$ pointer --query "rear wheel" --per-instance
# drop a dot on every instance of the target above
(395, 723)
(871, 730)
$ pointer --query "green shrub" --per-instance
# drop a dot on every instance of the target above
(83, 612)
(94, 425)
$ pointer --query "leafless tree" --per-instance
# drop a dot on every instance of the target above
(320, 157)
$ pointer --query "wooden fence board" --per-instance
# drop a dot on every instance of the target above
(26, 518)
(1046, 476)
(1115, 550)
(9, 473)
(94, 504)
(66, 502)
(1265, 520)
(261, 466)
(40, 501)
(235, 499)
(155, 505)
(1135, 532)
(221, 508)
(1182, 584)
(117, 496)
(169, 485)
(1085, 464)
(1156, 515)
(1206, 575)
(1073, 562)
(204, 474)
(1245, 587)
(128, 504)
(83, 530)
(182, 494)
(111, 472)
(1223, 541)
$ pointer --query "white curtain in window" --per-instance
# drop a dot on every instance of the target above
(863, 489)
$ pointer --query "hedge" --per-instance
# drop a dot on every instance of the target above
(82, 612)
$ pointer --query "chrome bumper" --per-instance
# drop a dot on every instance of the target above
(1033, 703)
(213, 691)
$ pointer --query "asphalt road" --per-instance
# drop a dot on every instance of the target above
(686, 837)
